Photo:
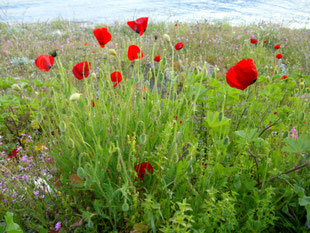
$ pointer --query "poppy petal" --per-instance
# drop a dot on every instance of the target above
(116, 77)
(139, 25)
(134, 53)
(81, 70)
(242, 75)
(141, 169)
(157, 58)
(102, 35)
(279, 56)
(179, 46)
(253, 41)
(44, 62)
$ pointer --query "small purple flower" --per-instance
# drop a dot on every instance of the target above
(36, 193)
(151, 65)
(58, 225)
(294, 133)
(25, 177)
(24, 158)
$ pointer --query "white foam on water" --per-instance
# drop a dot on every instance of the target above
(291, 13)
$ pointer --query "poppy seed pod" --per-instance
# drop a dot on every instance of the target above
(112, 52)
(16, 87)
(167, 38)
(75, 96)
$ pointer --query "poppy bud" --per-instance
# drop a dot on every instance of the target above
(302, 84)
(302, 80)
(75, 96)
(308, 89)
(112, 52)
(16, 87)
(35, 125)
(167, 38)
(296, 90)
(93, 75)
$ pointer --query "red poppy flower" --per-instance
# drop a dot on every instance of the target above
(134, 52)
(44, 62)
(253, 41)
(13, 154)
(116, 77)
(179, 46)
(81, 70)
(277, 46)
(102, 35)
(181, 122)
(283, 77)
(265, 41)
(275, 113)
(176, 25)
(139, 25)
(141, 169)
(92, 103)
(157, 58)
(279, 56)
(242, 75)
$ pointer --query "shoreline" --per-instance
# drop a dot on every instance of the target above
(293, 24)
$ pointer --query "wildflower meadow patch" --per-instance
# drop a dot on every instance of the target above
(177, 128)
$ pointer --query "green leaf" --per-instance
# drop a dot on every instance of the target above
(299, 145)
(213, 120)
(12, 227)
(305, 200)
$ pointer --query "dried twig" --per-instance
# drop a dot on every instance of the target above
(286, 172)
(257, 169)
(268, 127)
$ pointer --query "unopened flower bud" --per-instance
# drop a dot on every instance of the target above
(75, 97)
(302, 85)
(16, 87)
(112, 52)
(167, 38)
(93, 75)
